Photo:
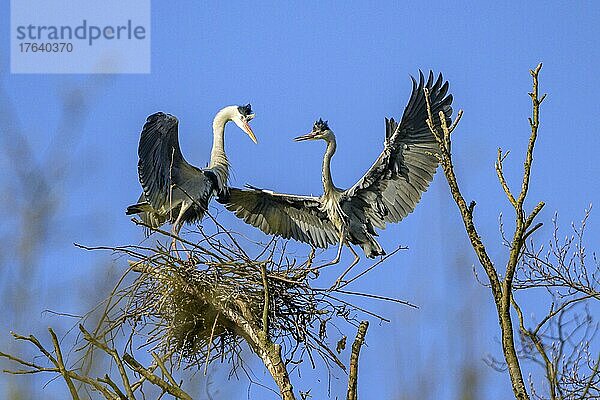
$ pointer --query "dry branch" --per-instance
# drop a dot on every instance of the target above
(173, 390)
(501, 288)
(353, 375)
(571, 370)
(562, 341)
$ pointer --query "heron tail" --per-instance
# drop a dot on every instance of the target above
(372, 248)
(138, 208)
(147, 214)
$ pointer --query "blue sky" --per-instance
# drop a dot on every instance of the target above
(348, 63)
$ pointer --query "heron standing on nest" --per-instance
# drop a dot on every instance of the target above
(173, 189)
(386, 193)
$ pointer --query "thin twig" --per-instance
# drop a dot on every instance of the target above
(173, 390)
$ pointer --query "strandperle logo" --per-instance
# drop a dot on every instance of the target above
(85, 31)
(80, 37)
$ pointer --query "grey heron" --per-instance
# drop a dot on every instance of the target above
(386, 193)
(173, 189)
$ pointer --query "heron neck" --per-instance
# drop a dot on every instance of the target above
(218, 159)
(328, 185)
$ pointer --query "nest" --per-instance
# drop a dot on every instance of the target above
(202, 305)
(185, 303)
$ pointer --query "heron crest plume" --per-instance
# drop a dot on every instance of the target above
(320, 125)
(245, 110)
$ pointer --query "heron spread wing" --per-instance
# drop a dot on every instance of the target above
(166, 177)
(288, 216)
(159, 156)
(392, 187)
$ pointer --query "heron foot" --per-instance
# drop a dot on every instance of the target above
(339, 283)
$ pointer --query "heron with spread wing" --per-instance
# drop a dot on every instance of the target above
(386, 193)
(173, 189)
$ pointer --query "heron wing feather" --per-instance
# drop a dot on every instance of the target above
(162, 168)
(393, 186)
(288, 216)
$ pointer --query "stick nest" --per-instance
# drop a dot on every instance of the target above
(188, 304)
(199, 307)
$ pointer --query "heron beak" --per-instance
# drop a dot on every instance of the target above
(308, 136)
(248, 130)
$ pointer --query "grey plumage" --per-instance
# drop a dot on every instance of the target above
(173, 189)
(289, 216)
(386, 193)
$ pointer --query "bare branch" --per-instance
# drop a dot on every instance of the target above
(173, 390)
(501, 289)
(115, 356)
(61, 365)
(353, 374)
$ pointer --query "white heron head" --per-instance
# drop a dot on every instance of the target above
(241, 115)
(320, 130)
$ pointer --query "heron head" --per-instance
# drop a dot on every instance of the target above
(241, 116)
(320, 130)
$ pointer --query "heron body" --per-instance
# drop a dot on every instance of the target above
(173, 189)
(386, 193)
(334, 203)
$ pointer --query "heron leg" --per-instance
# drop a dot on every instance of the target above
(339, 252)
(174, 232)
(178, 224)
(340, 281)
